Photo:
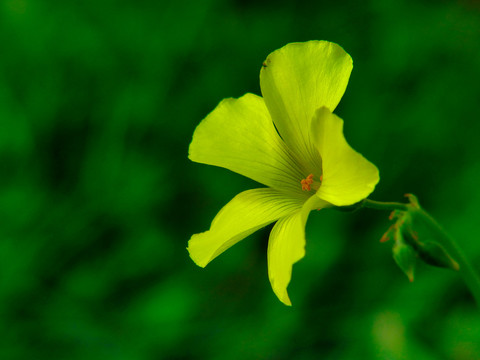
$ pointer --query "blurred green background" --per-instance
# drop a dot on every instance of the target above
(98, 103)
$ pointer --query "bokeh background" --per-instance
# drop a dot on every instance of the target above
(98, 103)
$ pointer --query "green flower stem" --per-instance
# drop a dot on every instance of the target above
(380, 205)
(469, 274)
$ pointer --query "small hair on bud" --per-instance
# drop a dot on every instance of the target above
(392, 215)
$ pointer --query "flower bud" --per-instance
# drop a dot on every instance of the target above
(434, 254)
(405, 256)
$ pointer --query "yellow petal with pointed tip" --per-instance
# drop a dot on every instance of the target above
(239, 135)
(298, 79)
(244, 214)
(286, 246)
(347, 176)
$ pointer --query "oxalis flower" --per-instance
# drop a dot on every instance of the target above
(290, 141)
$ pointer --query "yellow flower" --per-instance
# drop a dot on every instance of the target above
(290, 141)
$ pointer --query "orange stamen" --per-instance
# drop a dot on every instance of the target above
(307, 182)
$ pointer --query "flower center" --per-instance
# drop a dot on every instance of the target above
(308, 183)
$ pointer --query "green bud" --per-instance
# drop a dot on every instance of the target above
(434, 254)
(405, 257)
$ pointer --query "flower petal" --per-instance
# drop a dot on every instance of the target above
(347, 176)
(286, 246)
(244, 214)
(298, 79)
(239, 135)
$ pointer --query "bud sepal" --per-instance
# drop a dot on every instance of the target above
(405, 256)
